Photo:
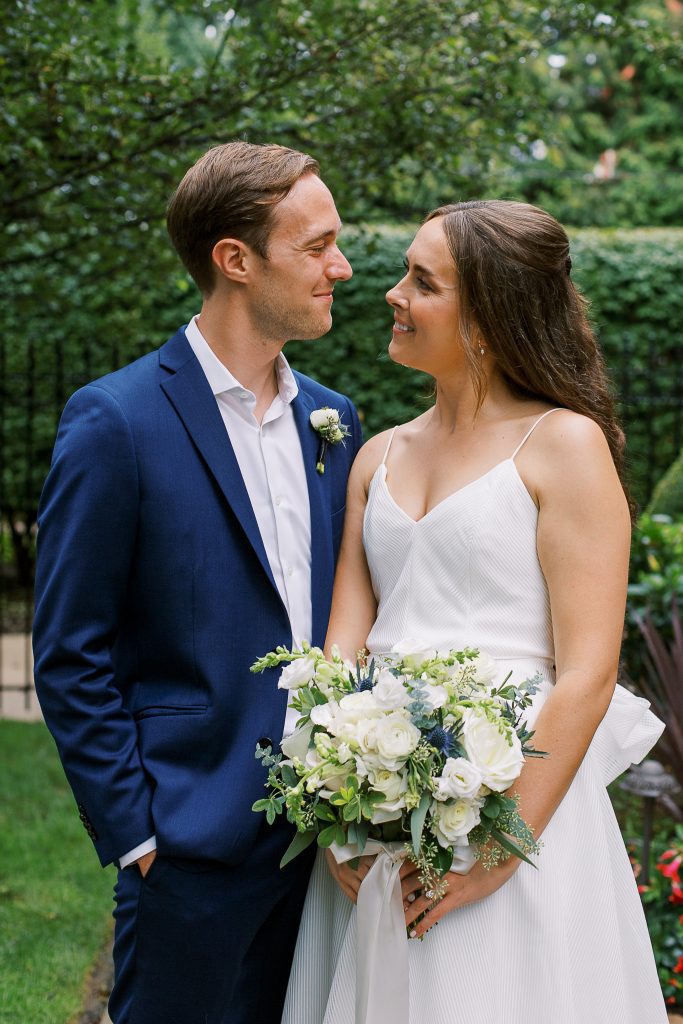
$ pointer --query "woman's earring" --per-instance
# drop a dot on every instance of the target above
(482, 351)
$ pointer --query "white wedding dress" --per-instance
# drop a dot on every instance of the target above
(565, 943)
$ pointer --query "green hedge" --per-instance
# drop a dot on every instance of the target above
(62, 330)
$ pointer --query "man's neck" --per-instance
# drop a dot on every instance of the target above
(252, 361)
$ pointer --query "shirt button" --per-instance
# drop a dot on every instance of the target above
(278, 500)
(290, 571)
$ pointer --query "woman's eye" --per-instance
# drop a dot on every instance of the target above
(421, 283)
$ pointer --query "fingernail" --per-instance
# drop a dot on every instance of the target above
(413, 934)
(411, 898)
(405, 906)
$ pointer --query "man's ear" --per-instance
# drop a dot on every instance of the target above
(232, 259)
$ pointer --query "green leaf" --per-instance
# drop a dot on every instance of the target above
(511, 847)
(417, 821)
(362, 832)
(261, 805)
(298, 844)
(443, 859)
(323, 812)
(327, 836)
(289, 776)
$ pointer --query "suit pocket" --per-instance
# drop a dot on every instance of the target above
(170, 710)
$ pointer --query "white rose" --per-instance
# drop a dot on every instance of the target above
(454, 821)
(413, 652)
(394, 786)
(498, 755)
(459, 778)
(486, 668)
(362, 733)
(396, 738)
(358, 705)
(436, 696)
(389, 691)
(297, 674)
(325, 715)
(321, 418)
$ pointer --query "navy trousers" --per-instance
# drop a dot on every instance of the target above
(202, 942)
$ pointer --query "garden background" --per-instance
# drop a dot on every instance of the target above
(406, 104)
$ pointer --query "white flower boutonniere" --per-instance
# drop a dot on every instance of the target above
(327, 423)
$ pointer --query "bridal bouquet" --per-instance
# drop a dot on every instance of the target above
(418, 749)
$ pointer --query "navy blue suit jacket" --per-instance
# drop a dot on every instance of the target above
(154, 596)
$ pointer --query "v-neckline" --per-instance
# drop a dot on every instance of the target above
(448, 498)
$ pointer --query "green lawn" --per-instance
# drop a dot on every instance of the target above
(55, 899)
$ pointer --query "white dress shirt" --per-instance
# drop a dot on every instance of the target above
(272, 466)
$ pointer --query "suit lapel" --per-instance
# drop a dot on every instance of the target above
(322, 557)
(193, 400)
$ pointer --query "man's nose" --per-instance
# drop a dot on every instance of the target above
(340, 268)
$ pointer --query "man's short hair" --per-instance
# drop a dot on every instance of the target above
(231, 192)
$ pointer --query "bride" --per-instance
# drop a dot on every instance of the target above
(499, 519)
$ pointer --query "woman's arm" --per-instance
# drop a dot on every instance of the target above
(354, 606)
(583, 547)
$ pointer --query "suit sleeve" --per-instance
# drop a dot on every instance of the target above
(87, 530)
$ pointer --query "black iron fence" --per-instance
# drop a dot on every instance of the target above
(35, 384)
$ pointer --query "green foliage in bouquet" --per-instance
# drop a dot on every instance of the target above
(418, 750)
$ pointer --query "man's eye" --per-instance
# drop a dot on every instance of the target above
(318, 250)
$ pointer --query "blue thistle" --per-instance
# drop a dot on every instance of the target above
(443, 740)
(364, 682)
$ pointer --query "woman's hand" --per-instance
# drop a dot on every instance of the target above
(348, 880)
(462, 889)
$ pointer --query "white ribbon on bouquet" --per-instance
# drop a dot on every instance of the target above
(382, 981)
(382, 990)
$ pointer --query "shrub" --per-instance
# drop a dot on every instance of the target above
(667, 497)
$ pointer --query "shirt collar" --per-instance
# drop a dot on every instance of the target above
(219, 377)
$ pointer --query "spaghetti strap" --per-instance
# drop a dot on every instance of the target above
(531, 430)
(386, 450)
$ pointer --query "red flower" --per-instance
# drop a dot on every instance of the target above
(678, 969)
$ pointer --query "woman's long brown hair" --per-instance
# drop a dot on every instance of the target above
(516, 296)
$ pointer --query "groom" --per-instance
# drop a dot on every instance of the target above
(185, 530)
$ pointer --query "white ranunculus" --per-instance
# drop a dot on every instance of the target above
(454, 821)
(413, 652)
(389, 691)
(486, 668)
(396, 738)
(497, 754)
(297, 673)
(459, 778)
(321, 418)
